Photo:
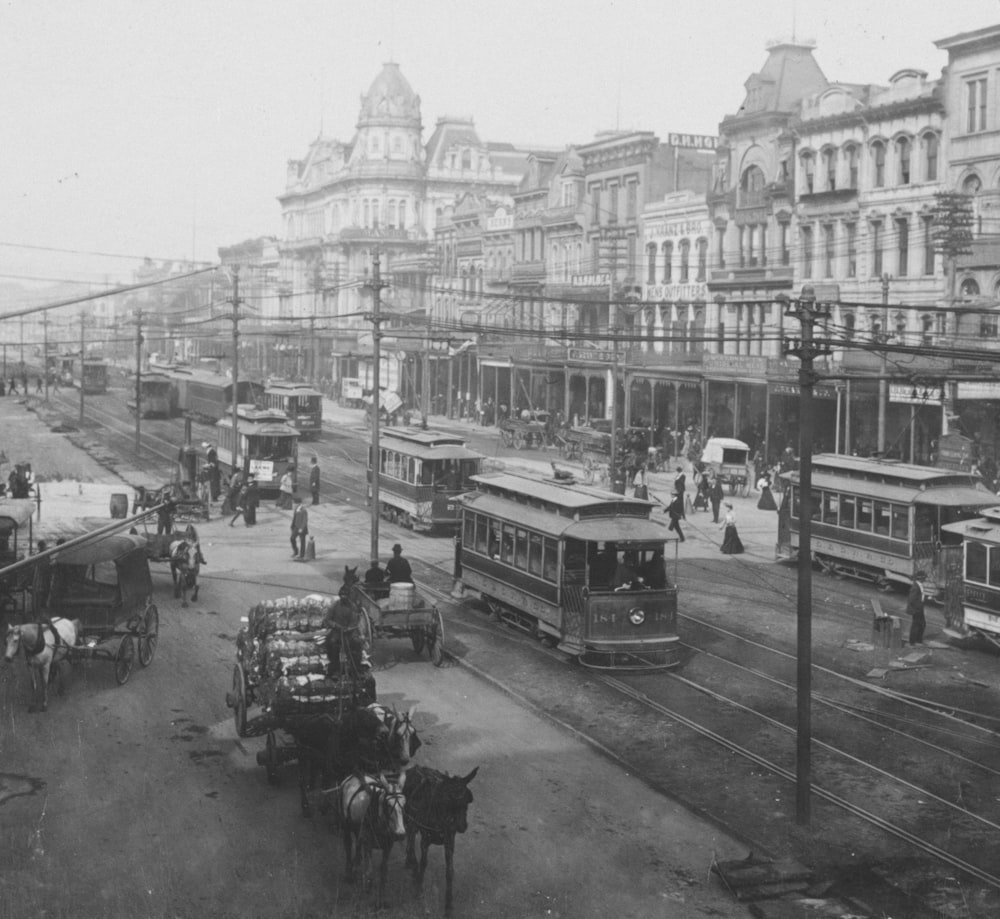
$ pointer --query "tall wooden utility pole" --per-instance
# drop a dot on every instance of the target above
(375, 285)
(236, 366)
(138, 377)
(83, 350)
(883, 383)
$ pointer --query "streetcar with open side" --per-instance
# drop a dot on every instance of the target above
(881, 520)
(302, 405)
(421, 475)
(268, 445)
(574, 565)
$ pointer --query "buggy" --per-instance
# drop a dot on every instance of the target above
(727, 458)
(523, 434)
(402, 613)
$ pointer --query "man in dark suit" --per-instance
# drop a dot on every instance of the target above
(300, 529)
(314, 480)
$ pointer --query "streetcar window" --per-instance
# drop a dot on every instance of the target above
(831, 504)
(411, 470)
(507, 544)
(865, 514)
(535, 554)
(882, 517)
(494, 539)
(795, 501)
(975, 562)
(482, 535)
(521, 549)
(426, 473)
(900, 522)
(551, 564)
(847, 503)
(815, 505)
(923, 525)
(994, 567)
(469, 531)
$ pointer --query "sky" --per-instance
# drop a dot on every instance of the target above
(144, 128)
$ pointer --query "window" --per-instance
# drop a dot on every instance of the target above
(685, 248)
(903, 251)
(968, 289)
(976, 556)
(807, 252)
(931, 148)
(535, 554)
(808, 170)
(631, 196)
(927, 329)
(828, 250)
(668, 258)
(847, 503)
(876, 248)
(864, 514)
(878, 160)
(786, 252)
(702, 259)
(849, 326)
(903, 156)
(720, 242)
(852, 167)
(989, 326)
(651, 263)
(928, 222)
(900, 522)
(613, 204)
(882, 520)
(975, 98)
(752, 187)
(830, 168)
(595, 201)
(851, 230)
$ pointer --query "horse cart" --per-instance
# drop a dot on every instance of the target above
(727, 458)
(399, 611)
(522, 434)
(106, 585)
(285, 683)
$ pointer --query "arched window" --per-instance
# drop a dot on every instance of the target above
(830, 169)
(878, 162)
(931, 150)
(971, 187)
(927, 329)
(651, 263)
(703, 259)
(903, 158)
(808, 173)
(900, 326)
(685, 248)
(752, 187)
(968, 288)
(852, 166)
(668, 258)
(849, 329)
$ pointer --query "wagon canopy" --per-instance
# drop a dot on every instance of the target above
(118, 559)
(15, 513)
(726, 450)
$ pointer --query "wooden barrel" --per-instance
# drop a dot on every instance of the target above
(119, 506)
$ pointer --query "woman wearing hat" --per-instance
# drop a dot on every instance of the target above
(731, 544)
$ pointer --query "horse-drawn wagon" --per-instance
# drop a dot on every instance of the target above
(726, 458)
(399, 611)
(106, 586)
(181, 550)
(525, 433)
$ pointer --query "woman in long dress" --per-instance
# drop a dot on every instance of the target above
(766, 501)
(731, 544)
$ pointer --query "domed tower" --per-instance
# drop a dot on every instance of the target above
(389, 125)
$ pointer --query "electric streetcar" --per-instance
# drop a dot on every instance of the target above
(268, 445)
(157, 396)
(421, 475)
(972, 595)
(880, 519)
(579, 566)
(302, 405)
(210, 395)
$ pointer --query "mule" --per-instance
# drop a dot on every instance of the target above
(350, 579)
(402, 741)
(185, 563)
(45, 645)
(371, 817)
(437, 807)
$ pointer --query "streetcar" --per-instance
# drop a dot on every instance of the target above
(879, 519)
(421, 475)
(302, 405)
(578, 566)
(268, 445)
(972, 594)
(89, 374)
(157, 396)
(208, 395)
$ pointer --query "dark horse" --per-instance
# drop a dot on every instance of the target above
(185, 563)
(436, 807)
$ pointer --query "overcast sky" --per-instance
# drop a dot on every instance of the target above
(162, 128)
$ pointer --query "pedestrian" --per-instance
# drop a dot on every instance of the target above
(314, 480)
(715, 495)
(766, 500)
(13, 386)
(212, 458)
(731, 544)
(675, 509)
(165, 514)
(238, 500)
(285, 491)
(398, 568)
(251, 502)
(38, 384)
(205, 488)
(680, 483)
(3, 389)
(300, 529)
(640, 489)
(915, 608)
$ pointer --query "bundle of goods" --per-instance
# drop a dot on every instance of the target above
(283, 654)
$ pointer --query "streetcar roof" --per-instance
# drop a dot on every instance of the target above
(957, 496)
(442, 452)
(885, 469)
(985, 528)
(291, 389)
(569, 497)
(427, 437)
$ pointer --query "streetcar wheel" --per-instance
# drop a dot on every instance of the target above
(124, 659)
(417, 639)
(271, 758)
(148, 635)
(435, 640)
(239, 701)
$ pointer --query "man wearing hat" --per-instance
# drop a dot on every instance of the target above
(300, 529)
(915, 608)
(398, 568)
(375, 580)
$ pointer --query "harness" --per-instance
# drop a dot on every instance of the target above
(39, 646)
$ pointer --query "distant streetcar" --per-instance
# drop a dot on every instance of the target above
(578, 565)
(972, 594)
(157, 396)
(89, 374)
(209, 395)
(879, 519)
(421, 475)
(268, 445)
(302, 405)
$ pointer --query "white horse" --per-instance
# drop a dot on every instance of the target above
(44, 644)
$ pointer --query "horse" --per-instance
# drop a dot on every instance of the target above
(437, 807)
(402, 741)
(371, 816)
(350, 579)
(44, 644)
(185, 563)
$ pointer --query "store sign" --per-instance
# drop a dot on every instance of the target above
(675, 292)
(914, 395)
(696, 141)
(735, 363)
(978, 390)
(591, 280)
(793, 389)
(590, 354)
(262, 469)
(669, 229)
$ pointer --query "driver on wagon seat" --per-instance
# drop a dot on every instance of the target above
(344, 624)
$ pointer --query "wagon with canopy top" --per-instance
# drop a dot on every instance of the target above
(400, 611)
(106, 585)
(727, 458)
(16, 541)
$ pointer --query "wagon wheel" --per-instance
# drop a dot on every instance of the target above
(124, 659)
(239, 701)
(417, 638)
(271, 758)
(148, 634)
(506, 438)
(519, 441)
(365, 627)
(435, 639)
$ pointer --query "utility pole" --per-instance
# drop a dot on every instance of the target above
(236, 366)
(138, 378)
(83, 347)
(883, 383)
(612, 236)
(45, 356)
(375, 285)
(806, 350)
(425, 391)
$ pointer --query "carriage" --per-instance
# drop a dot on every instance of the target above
(399, 611)
(106, 585)
(284, 681)
(16, 541)
(726, 459)
(523, 434)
